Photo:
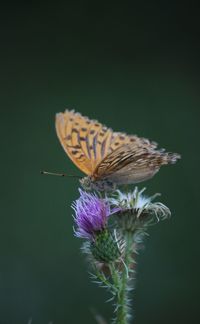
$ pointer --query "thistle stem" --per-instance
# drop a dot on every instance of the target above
(115, 276)
(122, 297)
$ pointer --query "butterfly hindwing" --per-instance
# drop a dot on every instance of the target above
(133, 162)
(119, 158)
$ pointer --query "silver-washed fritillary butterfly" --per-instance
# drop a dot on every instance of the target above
(108, 158)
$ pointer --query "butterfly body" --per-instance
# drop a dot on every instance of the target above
(108, 158)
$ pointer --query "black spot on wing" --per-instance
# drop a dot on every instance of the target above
(74, 152)
(75, 130)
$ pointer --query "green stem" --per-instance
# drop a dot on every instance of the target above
(115, 275)
(122, 297)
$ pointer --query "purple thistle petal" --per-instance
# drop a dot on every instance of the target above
(91, 213)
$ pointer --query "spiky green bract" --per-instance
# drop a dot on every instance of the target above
(105, 248)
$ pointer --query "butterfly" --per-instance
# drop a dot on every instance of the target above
(108, 158)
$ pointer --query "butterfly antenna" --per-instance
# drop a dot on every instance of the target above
(60, 174)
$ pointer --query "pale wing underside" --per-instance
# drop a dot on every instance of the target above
(88, 143)
(132, 163)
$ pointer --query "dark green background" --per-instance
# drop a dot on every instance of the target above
(134, 67)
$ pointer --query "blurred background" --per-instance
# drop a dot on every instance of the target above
(136, 68)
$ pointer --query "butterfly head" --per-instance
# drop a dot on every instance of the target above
(89, 183)
(86, 183)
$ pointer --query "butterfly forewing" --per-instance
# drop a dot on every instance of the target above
(69, 136)
(85, 141)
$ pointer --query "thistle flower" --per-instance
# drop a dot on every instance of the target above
(138, 210)
(91, 213)
(91, 216)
